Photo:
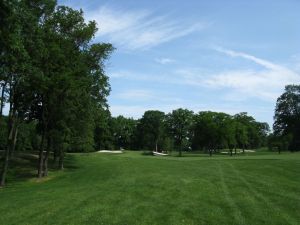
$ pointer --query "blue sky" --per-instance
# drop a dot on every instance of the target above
(230, 56)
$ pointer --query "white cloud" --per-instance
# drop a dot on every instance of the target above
(164, 61)
(267, 83)
(139, 29)
(295, 62)
(259, 61)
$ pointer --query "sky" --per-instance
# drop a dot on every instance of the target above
(227, 56)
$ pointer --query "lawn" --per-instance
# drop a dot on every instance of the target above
(132, 188)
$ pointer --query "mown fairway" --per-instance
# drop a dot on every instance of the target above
(135, 189)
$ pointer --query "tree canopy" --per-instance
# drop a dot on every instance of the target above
(287, 117)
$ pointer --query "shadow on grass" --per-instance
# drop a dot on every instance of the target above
(23, 166)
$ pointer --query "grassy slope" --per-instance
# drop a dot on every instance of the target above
(136, 189)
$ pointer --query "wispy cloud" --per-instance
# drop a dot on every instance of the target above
(139, 29)
(266, 83)
(262, 62)
(164, 61)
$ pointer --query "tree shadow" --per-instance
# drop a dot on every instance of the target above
(23, 166)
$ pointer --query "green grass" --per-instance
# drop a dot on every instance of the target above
(136, 189)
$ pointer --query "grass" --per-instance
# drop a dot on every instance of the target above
(132, 188)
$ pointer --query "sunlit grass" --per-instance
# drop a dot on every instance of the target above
(132, 188)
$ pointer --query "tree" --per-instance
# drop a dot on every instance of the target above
(19, 57)
(213, 131)
(123, 130)
(205, 131)
(179, 124)
(287, 116)
(52, 76)
(103, 136)
(151, 129)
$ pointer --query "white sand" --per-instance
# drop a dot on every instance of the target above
(110, 151)
(159, 153)
(239, 151)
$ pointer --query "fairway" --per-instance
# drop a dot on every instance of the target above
(132, 188)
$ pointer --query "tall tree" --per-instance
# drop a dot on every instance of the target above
(123, 131)
(151, 129)
(21, 54)
(205, 131)
(52, 75)
(287, 116)
(179, 123)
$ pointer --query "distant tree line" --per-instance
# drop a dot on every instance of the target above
(183, 130)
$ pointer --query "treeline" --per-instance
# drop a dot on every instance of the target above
(179, 130)
(182, 129)
(52, 79)
(207, 131)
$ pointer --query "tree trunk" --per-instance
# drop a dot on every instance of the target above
(14, 142)
(61, 160)
(2, 99)
(210, 152)
(44, 136)
(10, 145)
(41, 158)
(45, 172)
(156, 146)
(180, 147)
(230, 152)
(55, 156)
(235, 150)
(243, 149)
(5, 167)
(41, 154)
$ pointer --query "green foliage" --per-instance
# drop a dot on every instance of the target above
(287, 117)
(28, 139)
(103, 136)
(151, 130)
(122, 130)
(52, 75)
(179, 124)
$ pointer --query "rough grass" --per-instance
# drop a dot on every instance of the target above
(132, 188)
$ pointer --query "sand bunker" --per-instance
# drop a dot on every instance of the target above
(110, 151)
(159, 153)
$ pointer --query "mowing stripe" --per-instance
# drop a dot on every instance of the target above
(237, 212)
(259, 196)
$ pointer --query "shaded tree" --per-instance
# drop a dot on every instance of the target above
(150, 129)
(179, 123)
(287, 116)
